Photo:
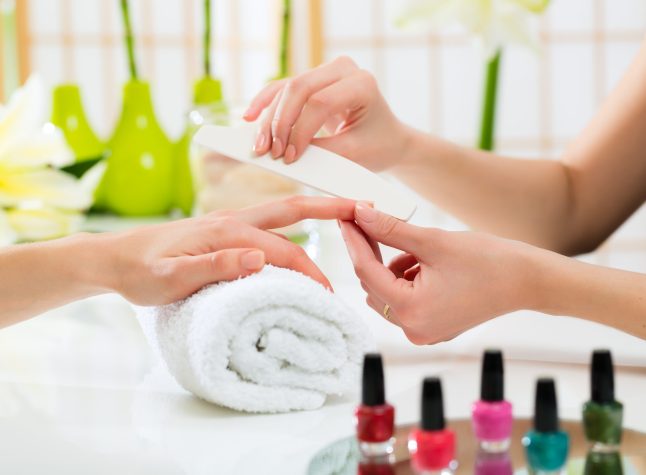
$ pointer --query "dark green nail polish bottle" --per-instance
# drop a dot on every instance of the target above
(597, 463)
(602, 414)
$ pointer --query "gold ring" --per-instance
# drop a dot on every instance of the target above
(386, 312)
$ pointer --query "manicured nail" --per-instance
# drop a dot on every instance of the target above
(276, 148)
(290, 153)
(261, 139)
(253, 260)
(365, 212)
(247, 113)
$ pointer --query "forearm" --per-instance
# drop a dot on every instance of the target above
(527, 200)
(565, 286)
(38, 277)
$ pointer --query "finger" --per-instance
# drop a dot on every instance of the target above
(229, 233)
(226, 264)
(262, 144)
(263, 99)
(297, 92)
(370, 271)
(388, 230)
(291, 210)
(411, 273)
(401, 263)
(348, 94)
(379, 306)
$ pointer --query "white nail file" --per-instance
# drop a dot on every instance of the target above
(318, 168)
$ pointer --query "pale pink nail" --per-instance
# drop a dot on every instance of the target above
(276, 148)
(261, 139)
(290, 153)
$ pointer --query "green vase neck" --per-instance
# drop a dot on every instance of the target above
(207, 90)
(137, 99)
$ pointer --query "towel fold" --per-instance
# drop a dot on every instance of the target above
(275, 341)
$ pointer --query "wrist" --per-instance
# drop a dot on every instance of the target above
(92, 264)
(546, 273)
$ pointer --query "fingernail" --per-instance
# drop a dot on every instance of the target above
(290, 153)
(260, 142)
(365, 212)
(253, 260)
(276, 148)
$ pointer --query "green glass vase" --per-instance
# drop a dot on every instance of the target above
(69, 116)
(139, 171)
(207, 93)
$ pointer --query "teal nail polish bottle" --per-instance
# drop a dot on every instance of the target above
(597, 463)
(602, 414)
(546, 446)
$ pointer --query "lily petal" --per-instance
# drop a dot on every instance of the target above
(44, 147)
(24, 114)
(42, 187)
(43, 223)
(7, 233)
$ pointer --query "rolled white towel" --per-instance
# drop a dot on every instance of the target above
(275, 341)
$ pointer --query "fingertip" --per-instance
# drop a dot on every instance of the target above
(253, 260)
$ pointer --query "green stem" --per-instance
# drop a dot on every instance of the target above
(125, 10)
(207, 38)
(487, 125)
(284, 41)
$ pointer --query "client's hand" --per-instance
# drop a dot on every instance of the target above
(444, 283)
(163, 263)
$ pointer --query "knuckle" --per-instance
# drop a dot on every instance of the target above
(367, 79)
(345, 61)
(294, 206)
(319, 102)
(416, 338)
(297, 85)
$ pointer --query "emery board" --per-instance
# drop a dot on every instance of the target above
(318, 168)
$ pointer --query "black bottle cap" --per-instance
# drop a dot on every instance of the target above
(602, 377)
(432, 405)
(373, 392)
(546, 416)
(492, 386)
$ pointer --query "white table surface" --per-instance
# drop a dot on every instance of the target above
(80, 391)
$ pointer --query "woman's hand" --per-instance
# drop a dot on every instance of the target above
(164, 263)
(445, 282)
(342, 99)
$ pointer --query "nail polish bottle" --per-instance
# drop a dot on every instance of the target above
(599, 463)
(493, 463)
(432, 445)
(374, 418)
(546, 446)
(602, 414)
(492, 415)
(375, 468)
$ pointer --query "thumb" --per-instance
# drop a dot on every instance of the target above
(226, 264)
(389, 230)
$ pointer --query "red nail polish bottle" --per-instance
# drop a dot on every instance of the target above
(432, 445)
(374, 418)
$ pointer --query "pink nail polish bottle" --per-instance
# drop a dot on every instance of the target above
(492, 415)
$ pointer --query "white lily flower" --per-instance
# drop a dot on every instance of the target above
(493, 23)
(40, 201)
(43, 223)
(7, 233)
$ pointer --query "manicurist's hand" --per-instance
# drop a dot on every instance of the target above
(444, 282)
(162, 263)
(340, 98)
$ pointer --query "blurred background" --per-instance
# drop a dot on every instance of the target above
(432, 79)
